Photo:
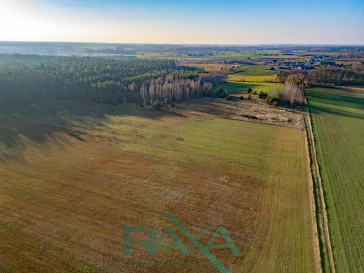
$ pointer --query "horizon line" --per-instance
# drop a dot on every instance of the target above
(189, 44)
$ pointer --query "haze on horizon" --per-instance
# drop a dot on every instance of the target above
(184, 22)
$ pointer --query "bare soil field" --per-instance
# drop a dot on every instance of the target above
(73, 175)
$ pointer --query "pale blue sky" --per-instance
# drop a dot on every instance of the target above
(187, 22)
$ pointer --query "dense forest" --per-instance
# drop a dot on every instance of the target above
(30, 78)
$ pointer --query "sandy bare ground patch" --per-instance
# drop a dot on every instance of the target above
(248, 110)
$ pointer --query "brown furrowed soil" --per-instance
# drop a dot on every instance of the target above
(71, 177)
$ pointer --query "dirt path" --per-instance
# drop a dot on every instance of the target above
(323, 251)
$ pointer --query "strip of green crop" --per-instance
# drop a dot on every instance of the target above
(327, 262)
(337, 121)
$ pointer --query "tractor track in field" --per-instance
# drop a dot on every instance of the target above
(323, 250)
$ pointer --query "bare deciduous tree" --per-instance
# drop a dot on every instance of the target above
(294, 90)
(175, 88)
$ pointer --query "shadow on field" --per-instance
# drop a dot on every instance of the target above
(338, 100)
(334, 111)
(335, 104)
(57, 121)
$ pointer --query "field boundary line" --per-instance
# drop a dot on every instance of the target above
(319, 210)
(315, 234)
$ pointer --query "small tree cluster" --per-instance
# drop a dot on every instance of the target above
(271, 99)
(157, 104)
(227, 97)
(262, 95)
(175, 88)
(220, 92)
(294, 91)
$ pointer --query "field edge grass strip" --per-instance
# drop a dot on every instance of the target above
(327, 261)
(314, 218)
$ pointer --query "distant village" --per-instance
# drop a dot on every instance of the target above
(308, 64)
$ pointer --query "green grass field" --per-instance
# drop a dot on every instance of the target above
(338, 125)
(247, 78)
(254, 74)
(256, 70)
(241, 87)
(73, 175)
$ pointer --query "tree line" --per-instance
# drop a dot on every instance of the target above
(335, 76)
(180, 88)
(31, 78)
(327, 75)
